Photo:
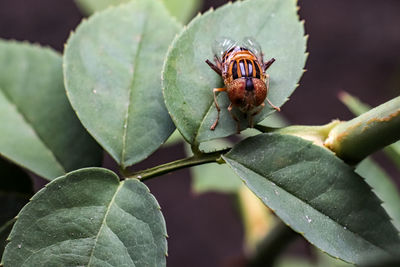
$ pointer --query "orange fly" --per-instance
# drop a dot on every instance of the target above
(243, 70)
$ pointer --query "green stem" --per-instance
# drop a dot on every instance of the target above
(178, 164)
(356, 139)
(315, 134)
(357, 107)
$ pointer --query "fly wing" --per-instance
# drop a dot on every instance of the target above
(221, 46)
(251, 44)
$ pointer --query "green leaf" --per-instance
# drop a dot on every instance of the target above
(317, 195)
(188, 81)
(90, 6)
(393, 152)
(39, 129)
(89, 218)
(353, 104)
(319, 259)
(220, 178)
(183, 10)
(112, 71)
(383, 187)
(173, 139)
(15, 191)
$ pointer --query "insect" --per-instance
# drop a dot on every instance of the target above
(242, 68)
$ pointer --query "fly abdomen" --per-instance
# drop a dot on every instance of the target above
(242, 68)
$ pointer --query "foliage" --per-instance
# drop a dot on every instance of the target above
(46, 124)
(187, 79)
(125, 80)
(132, 74)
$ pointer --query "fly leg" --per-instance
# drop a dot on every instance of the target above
(214, 68)
(212, 128)
(254, 114)
(218, 62)
(235, 118)
(269, 102)
(266, 65)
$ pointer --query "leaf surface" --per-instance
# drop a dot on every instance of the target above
(317, 195)
(112, 71)
(39, 129)
(220, 178)
(188, 81)
(89, 218)
(383, 187)
(181, 9)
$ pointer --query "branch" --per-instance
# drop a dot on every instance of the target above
(356, 139)
(315, 134)
(178, 164)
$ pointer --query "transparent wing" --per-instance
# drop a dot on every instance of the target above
(251, 44)
(221, 45)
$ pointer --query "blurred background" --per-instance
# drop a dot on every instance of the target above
(354, 46)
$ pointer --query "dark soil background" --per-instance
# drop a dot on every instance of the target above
(354, 46)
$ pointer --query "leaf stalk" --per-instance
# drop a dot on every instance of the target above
(195, 160)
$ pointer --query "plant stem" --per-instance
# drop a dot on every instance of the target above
(178, 164)
(316, 134)
(273, 245)
(356, 139)
(357, 107)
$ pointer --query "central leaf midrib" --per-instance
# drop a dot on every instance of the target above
(135, 65)
(30, 125)
(323, 214)
(103, 223)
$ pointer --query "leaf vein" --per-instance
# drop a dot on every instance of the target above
(135, 64)
(104, 221)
